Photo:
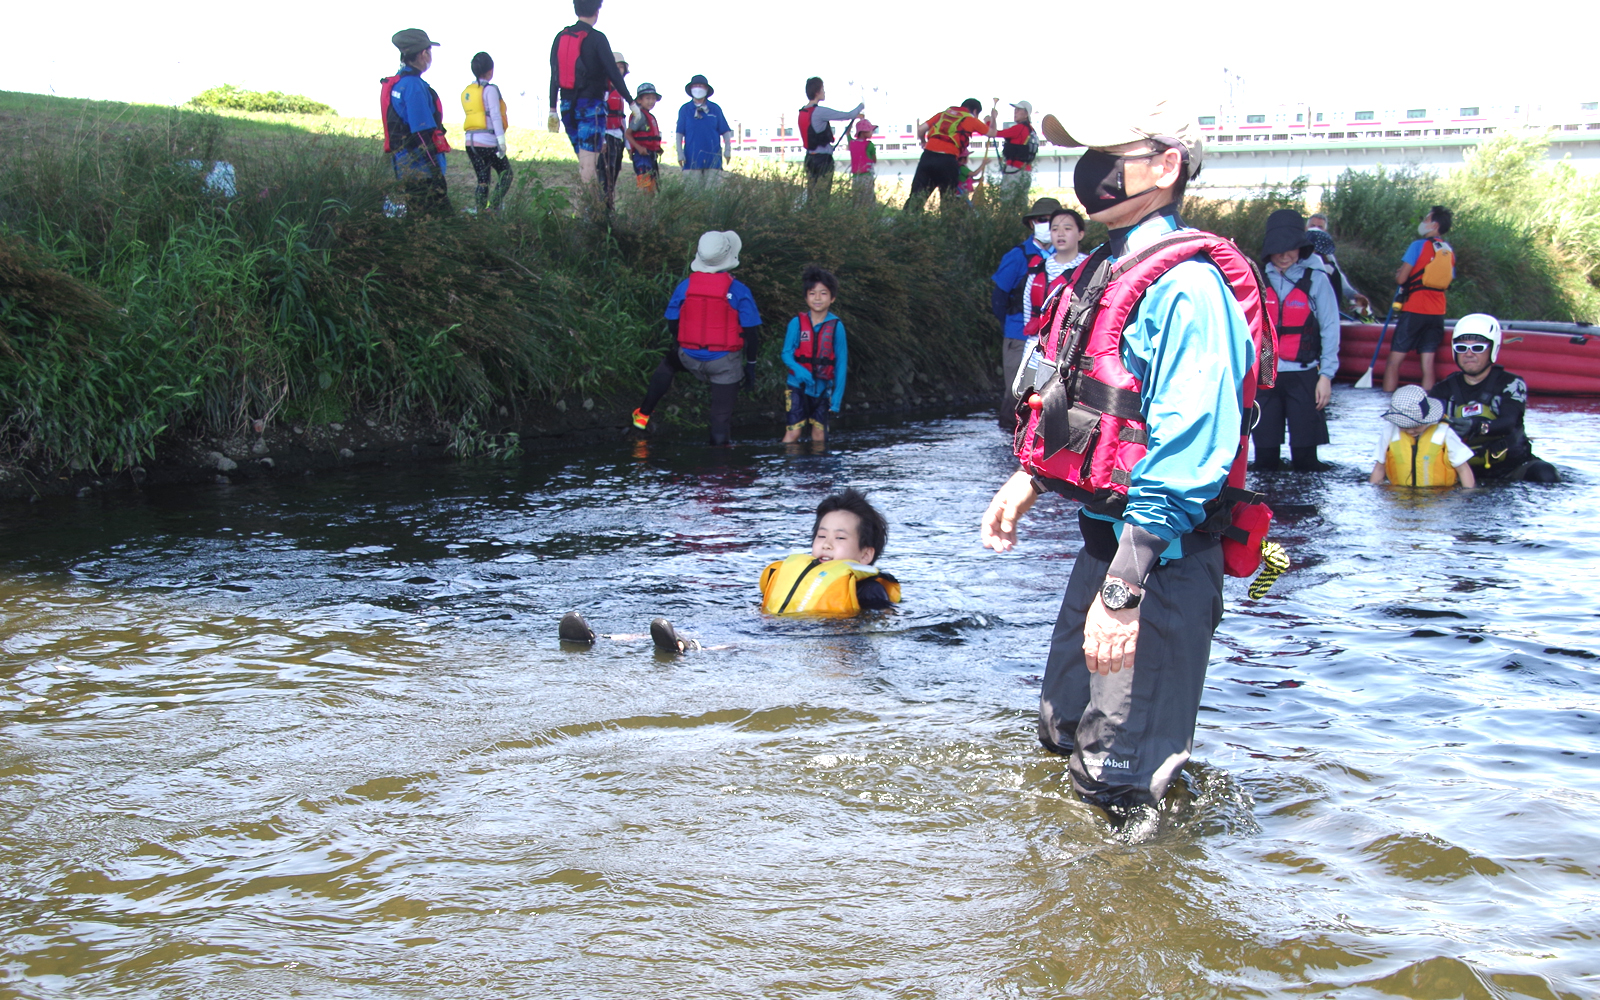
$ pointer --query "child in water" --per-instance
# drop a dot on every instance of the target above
(1418, 448)
(817, 355)
(835, 578)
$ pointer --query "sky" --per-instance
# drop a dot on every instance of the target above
(905, 58)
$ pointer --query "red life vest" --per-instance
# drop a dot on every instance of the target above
(814, 142)
(1299, 332)
(1041, 289)
(569, 45)
(1085, 428)
(815, 350)
(1034, 266)
(613, 110)
(650, 135)
(708, 321)
(397, 135)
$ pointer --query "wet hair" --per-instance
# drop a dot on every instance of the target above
(972, 104)
(1075, 217)
(813, 276)
(481, 64)
(813, 88)
(874, 530)
(1443, 217)
(586, 8)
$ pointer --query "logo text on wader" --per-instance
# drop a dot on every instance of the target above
(1124, 764)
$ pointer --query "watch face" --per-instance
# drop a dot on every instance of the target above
(1114, 595)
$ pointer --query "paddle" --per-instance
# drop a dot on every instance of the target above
(1365, 381)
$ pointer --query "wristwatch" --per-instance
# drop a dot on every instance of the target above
(1118, 596)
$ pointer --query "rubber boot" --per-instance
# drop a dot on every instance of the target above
(574, 629)
(1305, 460)
(667, 639)
(1267, 463)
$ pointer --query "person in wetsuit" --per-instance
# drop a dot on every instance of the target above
(1485, 404)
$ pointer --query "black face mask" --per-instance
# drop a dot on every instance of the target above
(1098, 180)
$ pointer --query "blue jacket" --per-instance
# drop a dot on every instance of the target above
(799, 378)
(413, 100)
(1008, 277)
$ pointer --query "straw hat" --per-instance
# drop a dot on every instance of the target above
(718, 251)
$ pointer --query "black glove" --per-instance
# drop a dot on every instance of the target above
(1469, 427)
(750, 377)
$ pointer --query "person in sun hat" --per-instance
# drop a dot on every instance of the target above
(1007, 295)
(1416, 447)
(1305, 310)
(413, 124)
(1170, 331)
(702, 129)
(1021, 146)
(716, 330)
(644, 140)
(1485, 405)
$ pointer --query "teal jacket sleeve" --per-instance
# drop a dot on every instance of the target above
(798, 376)
(841, 366)
(1190, 348)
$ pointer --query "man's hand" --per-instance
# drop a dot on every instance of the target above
(1109, 638)
(555, 121)
(1324, 391)
(1011, 501)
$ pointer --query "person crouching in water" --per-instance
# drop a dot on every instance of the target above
(1418, 448)
(716, 328)
(818, 356)
(1485, 404)
(837, 577)
(644, 140)
(485, 128)
(1306, 310)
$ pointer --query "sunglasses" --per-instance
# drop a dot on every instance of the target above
(1471, 348)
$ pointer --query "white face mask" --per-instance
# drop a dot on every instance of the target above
(1041, 232)
(1424, 228)
(698, 93)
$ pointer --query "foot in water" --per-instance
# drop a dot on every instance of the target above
(667, 638)
(575, 629)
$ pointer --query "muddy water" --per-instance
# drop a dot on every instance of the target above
(318, 739)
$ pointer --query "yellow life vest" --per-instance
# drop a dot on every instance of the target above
(801, 585)
(477, 116)
(1419, 458)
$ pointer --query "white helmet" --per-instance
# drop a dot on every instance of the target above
(1479, 325)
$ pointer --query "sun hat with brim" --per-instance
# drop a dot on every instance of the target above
(1042, 209)
(1286, 230)
(1106, 125)
(699, 80)
(412, 40)
(1411, 407)
(718, 251)
(646, 88)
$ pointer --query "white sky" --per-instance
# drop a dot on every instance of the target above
(906, 58)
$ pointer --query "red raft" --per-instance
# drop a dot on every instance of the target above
(1555, 359)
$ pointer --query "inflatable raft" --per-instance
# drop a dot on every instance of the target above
(1555, 359)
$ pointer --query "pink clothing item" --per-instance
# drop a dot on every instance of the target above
(863, 154)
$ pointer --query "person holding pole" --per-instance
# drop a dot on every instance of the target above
(816, 134)
(944, 139)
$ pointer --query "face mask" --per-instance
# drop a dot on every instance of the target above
(1424, 228)
(1097, 180)
(698, 93)
(1041, 232)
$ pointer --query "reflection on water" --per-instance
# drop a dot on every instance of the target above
(319, 739)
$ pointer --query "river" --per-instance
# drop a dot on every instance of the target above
(317, 738)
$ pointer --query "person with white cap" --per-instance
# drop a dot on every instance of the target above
(1417, 447)
(716, 331)
(1485, 405)
(1020, 146)
(1172, 345)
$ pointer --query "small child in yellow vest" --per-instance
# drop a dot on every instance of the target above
(1417, 448)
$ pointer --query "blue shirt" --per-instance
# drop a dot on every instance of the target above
(799, 377)
(1011, 274)
(739, 297)
(1324, 304)
(413, 100)
(702, 135)
(1189, 346)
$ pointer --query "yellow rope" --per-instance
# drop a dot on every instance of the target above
(1275, 562)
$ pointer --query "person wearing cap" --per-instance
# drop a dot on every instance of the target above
(1485, 404)
(414, 125)
(864, 164)
(705, 139)
(716, 330)
(1306, 313)
(1128, 656)
(1007, 297)
(485, 130)
(612, 145)
(944, 139)
(582, 69)
(1020, 145)
(1323, 246)
(816, 134)
(1416, 447)
(644, 140)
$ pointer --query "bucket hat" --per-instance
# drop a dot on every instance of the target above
(646, 88)
(699, 79)
(1042, 209)
(1102, 125)
(1286, 230)
(412, 40)
(718, 251)
(1411, 407)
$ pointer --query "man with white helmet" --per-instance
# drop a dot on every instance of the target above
(1485, 404)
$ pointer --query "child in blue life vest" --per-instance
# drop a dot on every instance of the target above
(1418, 448)
(835, 578)
(817, 355)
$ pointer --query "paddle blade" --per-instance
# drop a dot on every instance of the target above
(1365, 381)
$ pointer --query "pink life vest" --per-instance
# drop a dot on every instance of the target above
(1084, 429)
(1299, 332)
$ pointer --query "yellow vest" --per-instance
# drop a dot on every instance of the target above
(1418, 458)
(800, 585)
(477, 117)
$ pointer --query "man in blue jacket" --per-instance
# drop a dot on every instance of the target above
(1005, 299)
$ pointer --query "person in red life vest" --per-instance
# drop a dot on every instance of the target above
(1427, 270)
(1066, 237)
(1306, 312)
(1171, 323)
(485, 129)
(816, 134)
(644, 140)
(944, 139)
(1020, 147)
(582, 68)
(864, 165)
(715, 327)
(1017, 268)
(615, 140)
(818, 357)
(413, 125)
